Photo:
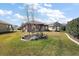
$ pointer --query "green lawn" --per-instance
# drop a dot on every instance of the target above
(57, 44)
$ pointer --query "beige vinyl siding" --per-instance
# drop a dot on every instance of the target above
(4, 28)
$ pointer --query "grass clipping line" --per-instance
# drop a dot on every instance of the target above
(72, 39)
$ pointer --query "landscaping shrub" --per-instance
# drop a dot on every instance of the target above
(73, 27)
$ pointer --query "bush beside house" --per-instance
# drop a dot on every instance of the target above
(73, 27)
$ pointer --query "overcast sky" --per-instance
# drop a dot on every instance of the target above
(16, 13)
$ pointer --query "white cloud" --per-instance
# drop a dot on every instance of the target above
(65, 20)
(47, 5)
(46, 21)
(53, 15)
(37, 6)
(5, 12)
(8, 12)
(20, 7)
(19, 16)
(34, 5)
(1, 12)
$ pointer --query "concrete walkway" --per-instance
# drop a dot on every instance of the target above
(72, 39)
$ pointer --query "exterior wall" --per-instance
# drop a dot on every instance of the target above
(5, 28)
(53, 28)
(58, 28)
(35, 27)
(46, 27)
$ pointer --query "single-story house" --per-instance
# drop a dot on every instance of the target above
(35, 26)
(5, 27)
(55, 26)
(51, 27)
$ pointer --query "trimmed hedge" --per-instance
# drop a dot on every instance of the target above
(73, 27)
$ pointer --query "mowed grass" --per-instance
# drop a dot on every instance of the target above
(57, 44)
